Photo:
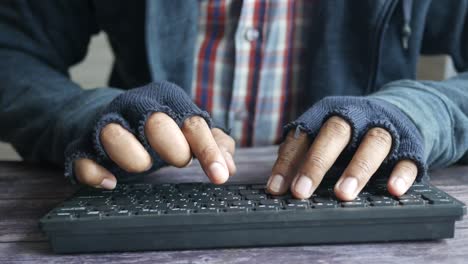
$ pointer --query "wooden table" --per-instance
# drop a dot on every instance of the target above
(28, 191)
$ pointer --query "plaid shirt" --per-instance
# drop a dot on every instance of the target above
(247, 72)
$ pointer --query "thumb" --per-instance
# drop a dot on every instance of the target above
(90, 173)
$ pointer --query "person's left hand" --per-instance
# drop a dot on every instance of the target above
(363, 128)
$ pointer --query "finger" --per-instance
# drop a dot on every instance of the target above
(327, 146)
(125, 149)
(403, 175)
(204, 147)
(369, 156)
(290, 155)
(166, 138)
(90, 173)
(227, 146)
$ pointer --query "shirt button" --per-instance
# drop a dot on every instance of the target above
(240, 115)
(251, 34)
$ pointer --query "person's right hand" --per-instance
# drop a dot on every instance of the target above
(145, 128)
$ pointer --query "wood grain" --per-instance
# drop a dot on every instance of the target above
(28, 191)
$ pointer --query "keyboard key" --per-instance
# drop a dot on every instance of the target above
(422, 190)
(383, 203)
(412, 202)
(321, 199)
(230, 198)
(235, 209)
(298, 207)
(262, 208)
(60, 216)
(298, 201)
(188, 206)
(374, 198)
(258, 187)
(90, 215)
(270, 202)
(255, 197)
(236, 187)
(148, 212)
(324, 205)
(353, 204)
(204, 199)
(243, 203)
(281, 197)
(72, 209)
(177, 211)
(206, 210)
(223, 193)
(216, 204)
(434, 196)
(408, 197)
(247, 192)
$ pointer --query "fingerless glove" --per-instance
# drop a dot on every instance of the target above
(363, 114)
(131, 110)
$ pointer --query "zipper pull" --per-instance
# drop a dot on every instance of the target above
(405, 35)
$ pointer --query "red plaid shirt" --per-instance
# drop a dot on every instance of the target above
(248, 65)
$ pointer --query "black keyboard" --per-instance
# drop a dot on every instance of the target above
(198, 215)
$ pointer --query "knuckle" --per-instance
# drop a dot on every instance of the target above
(194, 123)
(223, 140)
(380, 136)
(227, 144)
(207, 153)
(230, 142)
(338, 126)
(362, 168)
(316, 161)
(283, 162)
(286, 151)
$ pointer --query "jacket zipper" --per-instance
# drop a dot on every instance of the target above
(378, 40)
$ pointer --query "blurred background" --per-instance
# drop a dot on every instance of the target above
(94, 71)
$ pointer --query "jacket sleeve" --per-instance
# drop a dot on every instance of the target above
(41, 109)
(439, 109)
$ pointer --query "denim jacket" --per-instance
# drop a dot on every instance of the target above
(365, 48)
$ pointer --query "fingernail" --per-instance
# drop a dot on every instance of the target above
(218, 172)
(108, 184)
(276, 182)
(349, 185)
(399, 184)
(304, 186)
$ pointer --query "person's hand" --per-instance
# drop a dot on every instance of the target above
(142, 130)
(360, 135)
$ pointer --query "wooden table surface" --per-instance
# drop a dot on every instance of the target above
(28, 191)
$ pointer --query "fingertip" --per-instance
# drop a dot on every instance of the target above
(402, 177)
(276, 184)
(90, 173)
(397, 186)
(218, 173)
(302, 187)
(108, 183)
